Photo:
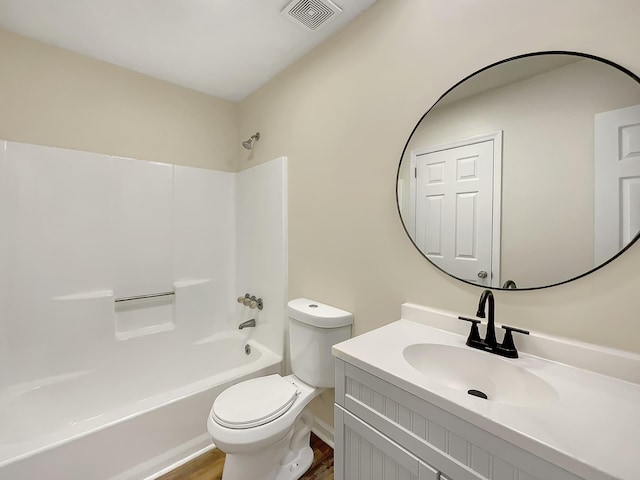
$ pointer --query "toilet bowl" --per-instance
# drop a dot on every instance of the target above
(268, 432)
(262, 424)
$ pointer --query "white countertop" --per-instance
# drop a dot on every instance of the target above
(592, 430)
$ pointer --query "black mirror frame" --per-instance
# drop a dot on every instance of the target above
(468, 77)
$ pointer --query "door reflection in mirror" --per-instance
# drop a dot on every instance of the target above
(455, 207)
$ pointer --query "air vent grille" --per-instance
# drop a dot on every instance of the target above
(311, 13)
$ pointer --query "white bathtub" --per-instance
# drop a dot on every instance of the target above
(130, 420)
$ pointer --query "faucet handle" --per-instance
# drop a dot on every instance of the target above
(514, 329)
(474, 339)
(508, 348)
(474, 321)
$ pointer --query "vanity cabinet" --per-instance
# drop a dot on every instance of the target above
(383, 432)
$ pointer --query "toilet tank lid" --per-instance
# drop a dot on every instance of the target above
(318, 314)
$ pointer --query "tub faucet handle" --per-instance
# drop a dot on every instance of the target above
(251, 301)
(256, 303)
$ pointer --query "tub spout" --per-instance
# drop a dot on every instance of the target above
(248, 323)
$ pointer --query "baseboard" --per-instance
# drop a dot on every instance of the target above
(181, 461)
(323, 431)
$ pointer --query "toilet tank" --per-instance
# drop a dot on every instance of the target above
(313, 329)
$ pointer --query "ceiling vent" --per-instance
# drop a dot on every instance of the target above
(312, 14)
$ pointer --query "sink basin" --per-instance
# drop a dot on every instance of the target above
(465, 369)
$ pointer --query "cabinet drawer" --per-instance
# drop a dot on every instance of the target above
(369, 455)
(456, 448)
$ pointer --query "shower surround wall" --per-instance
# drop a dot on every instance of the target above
(82, 229)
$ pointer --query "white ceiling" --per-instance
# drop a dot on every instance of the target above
(225, 48)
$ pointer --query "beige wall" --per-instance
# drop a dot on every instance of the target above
(50, 96)
(343, 114)
(548, 162)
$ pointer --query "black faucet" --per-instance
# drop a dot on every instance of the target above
(490, 338)
(490, 343)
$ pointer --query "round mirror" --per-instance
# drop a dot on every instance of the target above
(526, 174)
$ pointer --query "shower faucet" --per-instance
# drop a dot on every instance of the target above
(248, 323)
(248, 144)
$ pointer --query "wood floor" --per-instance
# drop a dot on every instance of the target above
(209, 466)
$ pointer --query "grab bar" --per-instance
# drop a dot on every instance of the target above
(141, 297)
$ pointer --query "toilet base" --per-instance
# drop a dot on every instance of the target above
(296, 469)
(288, 459)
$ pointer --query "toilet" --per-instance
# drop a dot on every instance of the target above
(262, 424)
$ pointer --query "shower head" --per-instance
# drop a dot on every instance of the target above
(248, 144)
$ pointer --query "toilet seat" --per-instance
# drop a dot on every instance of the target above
(254, 402)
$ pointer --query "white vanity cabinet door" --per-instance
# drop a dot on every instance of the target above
(363, 453)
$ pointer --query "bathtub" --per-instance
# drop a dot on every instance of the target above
(129, 420)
